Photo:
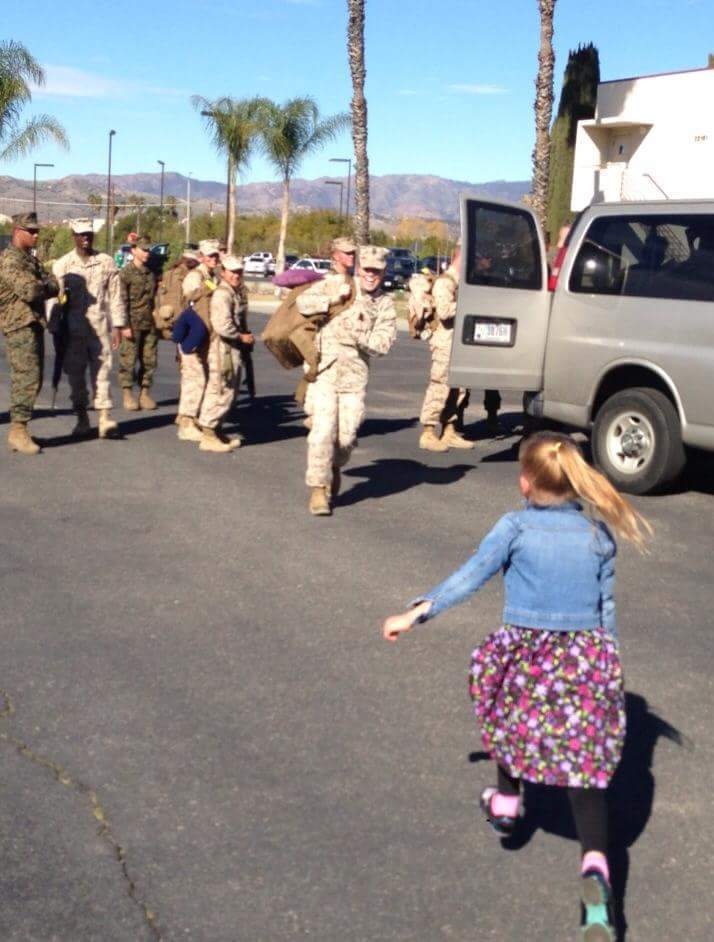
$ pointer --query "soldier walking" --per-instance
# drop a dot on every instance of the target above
(24, 289)
(443, 406)
(138, 351)
(368, 327)
(197, 289)
(93, 316)
(223, 358)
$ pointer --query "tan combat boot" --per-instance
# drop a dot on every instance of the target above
(430, 441)
(82, 428)
(319, 504)
(128, 401)
(18, 439)
(145, 400)
(188, 430)
(453, 440)
(211, 442)
(234, 441)
(107, 426)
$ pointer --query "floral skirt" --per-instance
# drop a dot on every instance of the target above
(551, 704)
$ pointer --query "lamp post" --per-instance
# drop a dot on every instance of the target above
(188, 208)
(348, 161)
(109, 195)
(161, 199)
(341, 185)
(229, 248)
(34, 185)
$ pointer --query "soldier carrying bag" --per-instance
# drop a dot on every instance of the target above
(420, 314)
(290, 335)
(169, 300)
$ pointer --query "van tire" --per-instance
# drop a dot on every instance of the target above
(649, 416)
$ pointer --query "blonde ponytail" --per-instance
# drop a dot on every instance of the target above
(556, 470)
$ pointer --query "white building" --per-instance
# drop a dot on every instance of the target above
(651, 138)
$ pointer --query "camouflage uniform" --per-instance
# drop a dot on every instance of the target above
(443, 404)
(94, 305)
(337, 397)
(138, 288)
(223, 356)
(194, 366)
(24, 288)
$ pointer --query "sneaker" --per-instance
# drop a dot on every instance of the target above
(596, 921)
(503, 825)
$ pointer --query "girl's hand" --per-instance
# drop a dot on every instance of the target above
(398, 624)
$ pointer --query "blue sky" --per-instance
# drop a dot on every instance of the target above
(449, 82)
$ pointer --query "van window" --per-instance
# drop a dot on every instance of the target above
(648, 256)
(503, 248)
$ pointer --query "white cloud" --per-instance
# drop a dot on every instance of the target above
(63, 81)
(477, 89)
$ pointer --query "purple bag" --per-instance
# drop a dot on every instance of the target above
(294, 277)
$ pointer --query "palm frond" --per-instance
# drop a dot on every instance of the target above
(22, 140)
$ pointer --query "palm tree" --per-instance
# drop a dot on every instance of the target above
(543, 109)
(18, 68)
(289, 133)
(234, 125)
(355, 54)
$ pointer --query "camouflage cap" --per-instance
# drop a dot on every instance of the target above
(80, 226)
(209, 247)
(343, 244)
(26, 221)
(372, 256)
(191, 254)
(232, 263)
(143, 242)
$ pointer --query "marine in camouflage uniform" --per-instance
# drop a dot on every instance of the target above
(337, 397)
(94, 317)
(198, 286)
(138, 353)
(223, 358)
(24, 289)
(443, 405)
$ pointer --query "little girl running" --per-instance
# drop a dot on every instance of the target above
(547, 686)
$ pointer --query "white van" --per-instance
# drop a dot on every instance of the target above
(617, 340)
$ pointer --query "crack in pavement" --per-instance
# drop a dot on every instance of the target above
(104, 830)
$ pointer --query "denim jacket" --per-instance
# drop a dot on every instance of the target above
(558, 570)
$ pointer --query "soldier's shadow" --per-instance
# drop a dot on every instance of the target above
(267, 419)
(630, 799)
(388, 476)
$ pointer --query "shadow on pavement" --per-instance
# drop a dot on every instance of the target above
(630, 799)
(393, 475)
(384, 426)
(267, 419)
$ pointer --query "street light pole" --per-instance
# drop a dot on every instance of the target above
(161, 199)
(109, 194)
(34, 185)
(348, 161)
(188, 207)
(341, 185)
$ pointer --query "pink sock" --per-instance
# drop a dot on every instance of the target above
(594, 860)
(506, 805)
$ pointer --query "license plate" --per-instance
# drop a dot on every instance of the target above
(490, 332)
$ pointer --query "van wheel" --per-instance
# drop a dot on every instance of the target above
(637, 440)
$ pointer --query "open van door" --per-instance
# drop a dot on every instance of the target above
(504, 303)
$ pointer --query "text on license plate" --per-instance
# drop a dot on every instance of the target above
(489, 332)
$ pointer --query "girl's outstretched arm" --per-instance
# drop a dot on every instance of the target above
(396, 625)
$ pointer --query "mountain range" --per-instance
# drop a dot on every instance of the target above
(392, 197)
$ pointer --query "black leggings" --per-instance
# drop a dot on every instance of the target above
(589, 809)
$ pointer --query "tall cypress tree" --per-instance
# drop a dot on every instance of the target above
(577, 102)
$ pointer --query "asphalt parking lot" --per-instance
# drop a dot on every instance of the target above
(205, 738)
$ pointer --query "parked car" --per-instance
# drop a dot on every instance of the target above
(313, 264)
(618, 340)
(289, 260)
(435, 263)
(257, 264)
(399, 270)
